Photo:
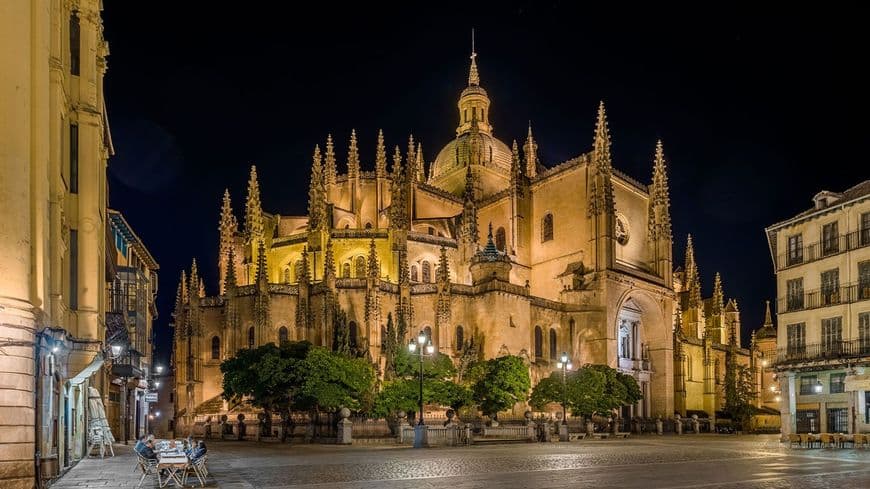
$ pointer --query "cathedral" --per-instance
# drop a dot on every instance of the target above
(485, 245)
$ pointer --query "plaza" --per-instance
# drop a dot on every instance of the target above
(717, 461)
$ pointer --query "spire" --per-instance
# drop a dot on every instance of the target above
(659, 199)
(328, 261)
(411, 160)
(399, 197)
(530, 149)
(693, 283)
(718, 295)
(473, 75)
(262, 276)
(193, 283)
(443, 272)
(329, 170)
(228, 224)
(253, 209)
(768, 321)
(352, 156)
(490, 252)
(381, 156)
(420, 165)
(515, 165)
(316, 194)
(601, 191)
(201, 289)
(181, 292)
(230, 280)
(373, 270)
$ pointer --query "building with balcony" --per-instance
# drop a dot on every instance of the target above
(131, 311)
(54, 147)
(822, 262)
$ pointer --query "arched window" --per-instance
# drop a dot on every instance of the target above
(215, 348)
(547, 228)
(351, 326)
(282, 335)
(460, 338)
(500, 240)
(345, 270)
(427, 272)
(539, 342)
(553, 347)
(414, 276)
(431, 231)
(251, 337)
(428, 331)
(360, 267)
(297, 269)
(287, 275)
(368, 225)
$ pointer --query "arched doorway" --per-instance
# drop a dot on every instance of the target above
(640, 327)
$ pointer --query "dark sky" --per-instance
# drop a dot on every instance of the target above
(757, 111)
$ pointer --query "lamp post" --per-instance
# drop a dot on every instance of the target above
(565, 365)
(422, 347)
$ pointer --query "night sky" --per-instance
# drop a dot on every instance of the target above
(755, 111)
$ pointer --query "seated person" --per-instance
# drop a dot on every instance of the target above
(199, 451)
(140, 444)
(147, 450)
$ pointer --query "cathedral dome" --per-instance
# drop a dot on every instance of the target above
(473, 146)
(448, 169)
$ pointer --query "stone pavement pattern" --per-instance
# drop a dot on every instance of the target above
(708, 461)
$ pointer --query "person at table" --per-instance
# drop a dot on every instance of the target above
(198, 452)
(140, 444)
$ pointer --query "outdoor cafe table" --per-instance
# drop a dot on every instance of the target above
(175, 463)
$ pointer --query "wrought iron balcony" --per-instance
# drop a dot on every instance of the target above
(823, 249)
(814, 299)
(834, 350)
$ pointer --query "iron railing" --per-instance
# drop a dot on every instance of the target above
(832, 350)
(823, 249)
(824, 297)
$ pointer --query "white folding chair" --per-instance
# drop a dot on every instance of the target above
(148, 467)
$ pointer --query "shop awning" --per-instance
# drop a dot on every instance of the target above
(86, 372)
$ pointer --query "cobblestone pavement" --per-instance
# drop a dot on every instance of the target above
(647, 462)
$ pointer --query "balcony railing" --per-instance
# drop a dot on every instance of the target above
(833, 350)
(814, 299)
(823, 249)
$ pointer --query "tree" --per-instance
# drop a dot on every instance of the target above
(592, 389)
(267, 377)
(391, 345)
(332, 380)
(340, 333)
(739, 393)
(501, 383)
(402, 392)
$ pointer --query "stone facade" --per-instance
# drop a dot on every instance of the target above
(822, 263)
(54, 145)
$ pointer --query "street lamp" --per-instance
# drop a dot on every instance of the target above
(565, 365)
(818, 387)
(159, 369)
(422, 347)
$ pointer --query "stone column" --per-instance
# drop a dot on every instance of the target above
(345, 428)
(23, 42)
(787, 404)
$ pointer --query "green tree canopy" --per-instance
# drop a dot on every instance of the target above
(499, 383)
(402, 392)
(268, 376)
(592, 389)
(331, 380)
